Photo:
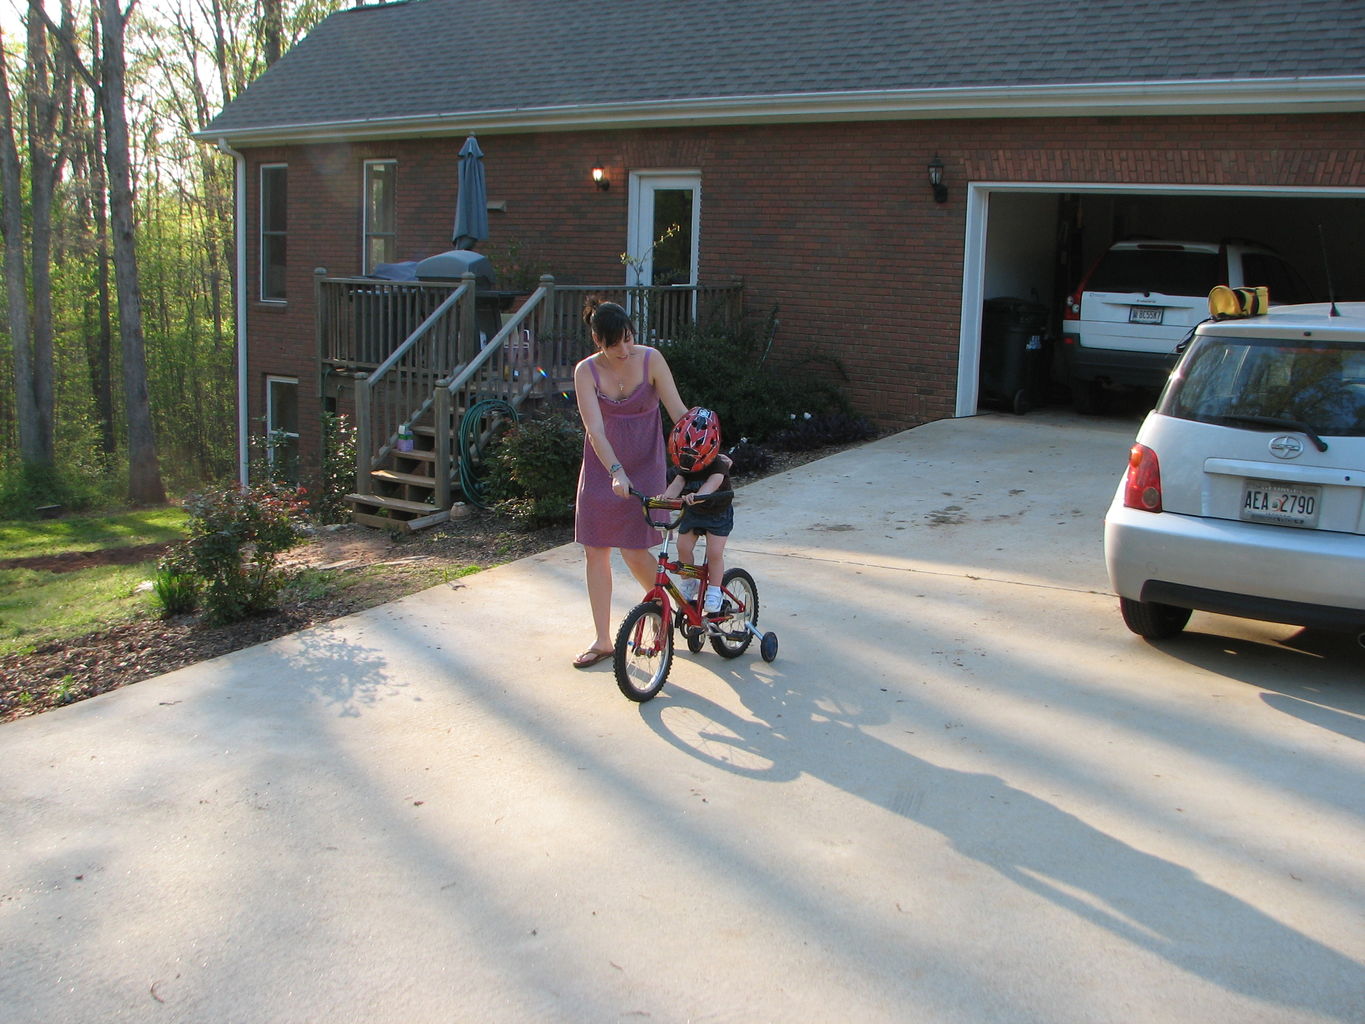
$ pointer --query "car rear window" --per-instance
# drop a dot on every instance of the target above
(1224, 381)
(1168, 271)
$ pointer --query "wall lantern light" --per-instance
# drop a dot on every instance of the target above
(936, 180)
(599, 176)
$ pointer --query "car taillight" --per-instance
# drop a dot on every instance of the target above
(1142, 489)
(1071, 308)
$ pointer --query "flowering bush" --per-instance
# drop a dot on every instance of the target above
(235, 538)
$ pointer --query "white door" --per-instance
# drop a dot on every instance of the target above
(665, 215)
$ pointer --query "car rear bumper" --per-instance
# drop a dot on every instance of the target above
(1117, 367)
(1305, 577)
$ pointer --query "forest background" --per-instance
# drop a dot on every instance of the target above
(117, 379)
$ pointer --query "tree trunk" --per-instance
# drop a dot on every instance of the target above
(144, 473)
(272, 18)
(102, 356)
(16, 278)
(42, 170)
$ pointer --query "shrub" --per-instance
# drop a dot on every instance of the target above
(175, 588)
(726, 368)
(748, 458)
(534, 470)
(82, 484)
(234, 540)
(810, 431)
(338, 469)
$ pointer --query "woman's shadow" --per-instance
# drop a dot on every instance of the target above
(1148, 901)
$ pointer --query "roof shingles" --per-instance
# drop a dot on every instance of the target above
(427, 58)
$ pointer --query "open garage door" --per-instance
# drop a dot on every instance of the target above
(1028, 247)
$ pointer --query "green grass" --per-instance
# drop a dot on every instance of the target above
(30, 538)
(39, 607)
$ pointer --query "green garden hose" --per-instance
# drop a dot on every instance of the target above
(481, 424)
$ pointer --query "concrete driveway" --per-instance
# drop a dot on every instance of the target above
(963, 792)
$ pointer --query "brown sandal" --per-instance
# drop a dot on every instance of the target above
(590, 657)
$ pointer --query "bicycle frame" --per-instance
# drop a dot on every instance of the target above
(643, 652)
(666, 592)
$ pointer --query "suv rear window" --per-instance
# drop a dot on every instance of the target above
(1167, 271)
(1226, 381)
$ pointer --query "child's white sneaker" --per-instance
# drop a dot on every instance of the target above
(688, 588)
(714, 599)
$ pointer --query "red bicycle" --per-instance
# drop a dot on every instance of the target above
(644, 643)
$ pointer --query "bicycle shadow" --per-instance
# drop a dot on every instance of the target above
(1148, 901)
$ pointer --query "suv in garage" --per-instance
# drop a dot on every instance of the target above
(1245, 491)
(1121, 326)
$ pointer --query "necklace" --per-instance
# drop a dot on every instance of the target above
(620, 379)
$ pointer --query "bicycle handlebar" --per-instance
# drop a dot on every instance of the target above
(648, 504)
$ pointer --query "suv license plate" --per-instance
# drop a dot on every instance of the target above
(1285, 505)
(1145, 314)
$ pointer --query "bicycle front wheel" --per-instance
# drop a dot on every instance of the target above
(733, 636)
(644, 652)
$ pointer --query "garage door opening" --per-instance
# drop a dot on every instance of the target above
(1029, 247)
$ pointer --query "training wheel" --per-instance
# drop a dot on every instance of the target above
(768, 646)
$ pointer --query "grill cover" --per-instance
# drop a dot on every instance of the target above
(453, 265)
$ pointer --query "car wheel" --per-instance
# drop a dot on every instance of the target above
(1152, 620)
(1086, 397)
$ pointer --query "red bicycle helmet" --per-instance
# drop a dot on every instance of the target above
(694, 440)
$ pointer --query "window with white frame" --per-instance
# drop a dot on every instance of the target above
(274, 223)
(381, 220)
(282, 427)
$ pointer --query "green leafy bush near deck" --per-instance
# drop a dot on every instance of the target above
(727, 368)
(534, 470)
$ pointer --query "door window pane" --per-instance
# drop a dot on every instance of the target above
(672, 254)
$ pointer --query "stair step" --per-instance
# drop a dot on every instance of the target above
(418, 456)
(393, 504)
(394, 477)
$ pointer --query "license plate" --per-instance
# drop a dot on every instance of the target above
(1283, 504)
(1145, 314)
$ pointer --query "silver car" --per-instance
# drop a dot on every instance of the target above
(1245, 491)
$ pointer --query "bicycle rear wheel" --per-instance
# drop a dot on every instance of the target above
(644, 652)
(735, 635)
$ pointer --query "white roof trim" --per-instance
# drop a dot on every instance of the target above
(1225, 97)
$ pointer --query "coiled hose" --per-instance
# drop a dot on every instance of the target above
(481, 424)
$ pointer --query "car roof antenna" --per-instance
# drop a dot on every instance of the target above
(1327, 265)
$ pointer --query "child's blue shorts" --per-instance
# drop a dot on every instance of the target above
(721, 523)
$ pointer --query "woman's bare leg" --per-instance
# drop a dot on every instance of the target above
(642, 565)
(599, 594)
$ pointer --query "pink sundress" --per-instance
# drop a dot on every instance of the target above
(634, 426)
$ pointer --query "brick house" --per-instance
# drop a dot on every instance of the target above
(797, 138)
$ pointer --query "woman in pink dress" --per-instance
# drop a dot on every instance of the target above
(618, 388)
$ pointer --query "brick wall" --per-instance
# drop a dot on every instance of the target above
(833, 224)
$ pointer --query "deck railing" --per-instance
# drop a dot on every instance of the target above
(399, 389)
(417, 355)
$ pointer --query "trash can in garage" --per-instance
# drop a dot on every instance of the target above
(1014, 353)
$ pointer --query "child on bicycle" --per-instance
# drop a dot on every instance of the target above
(700, 469)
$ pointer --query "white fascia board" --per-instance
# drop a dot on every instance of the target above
(1134, 99)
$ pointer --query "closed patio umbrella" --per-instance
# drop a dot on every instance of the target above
(471, 207)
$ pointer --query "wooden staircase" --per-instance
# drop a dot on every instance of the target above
(403, 490)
